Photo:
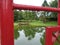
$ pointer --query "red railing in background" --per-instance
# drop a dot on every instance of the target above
(7, 20)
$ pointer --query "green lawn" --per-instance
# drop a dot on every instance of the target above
(40, 23)
(15, 23)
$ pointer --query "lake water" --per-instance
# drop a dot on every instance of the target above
(29, 35)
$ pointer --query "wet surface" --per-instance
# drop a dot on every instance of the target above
(27, 35)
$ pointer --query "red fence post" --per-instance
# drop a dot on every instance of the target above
(48, 37)
(6, 22)
(58, 12)
(0, 20)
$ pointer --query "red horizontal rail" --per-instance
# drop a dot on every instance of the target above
(35, 8)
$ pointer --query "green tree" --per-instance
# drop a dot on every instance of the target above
(44, 13)
(15, 15)
(50, 15)
(29, 15)
(20, 16)
(53, 4)
(45, 3)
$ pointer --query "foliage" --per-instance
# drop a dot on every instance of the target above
(16, 33)
(44, 14)
(49, 15)
(54, 4)
(45, 3)
(24, 15)
(17, 15)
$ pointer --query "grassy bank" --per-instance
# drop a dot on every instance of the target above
(40, 23)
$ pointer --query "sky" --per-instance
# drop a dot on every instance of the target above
(30, 2)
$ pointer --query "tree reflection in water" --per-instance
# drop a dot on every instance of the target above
(30, 32)
(16, 33)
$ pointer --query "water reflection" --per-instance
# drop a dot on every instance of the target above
(16, 33)
(29, 35)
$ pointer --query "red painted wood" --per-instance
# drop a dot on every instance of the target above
(49, 36)
(6, 22)
(0, 20)
(57, 34)
(59, 12)
(35, 8)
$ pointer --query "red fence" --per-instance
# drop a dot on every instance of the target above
(7, 20)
